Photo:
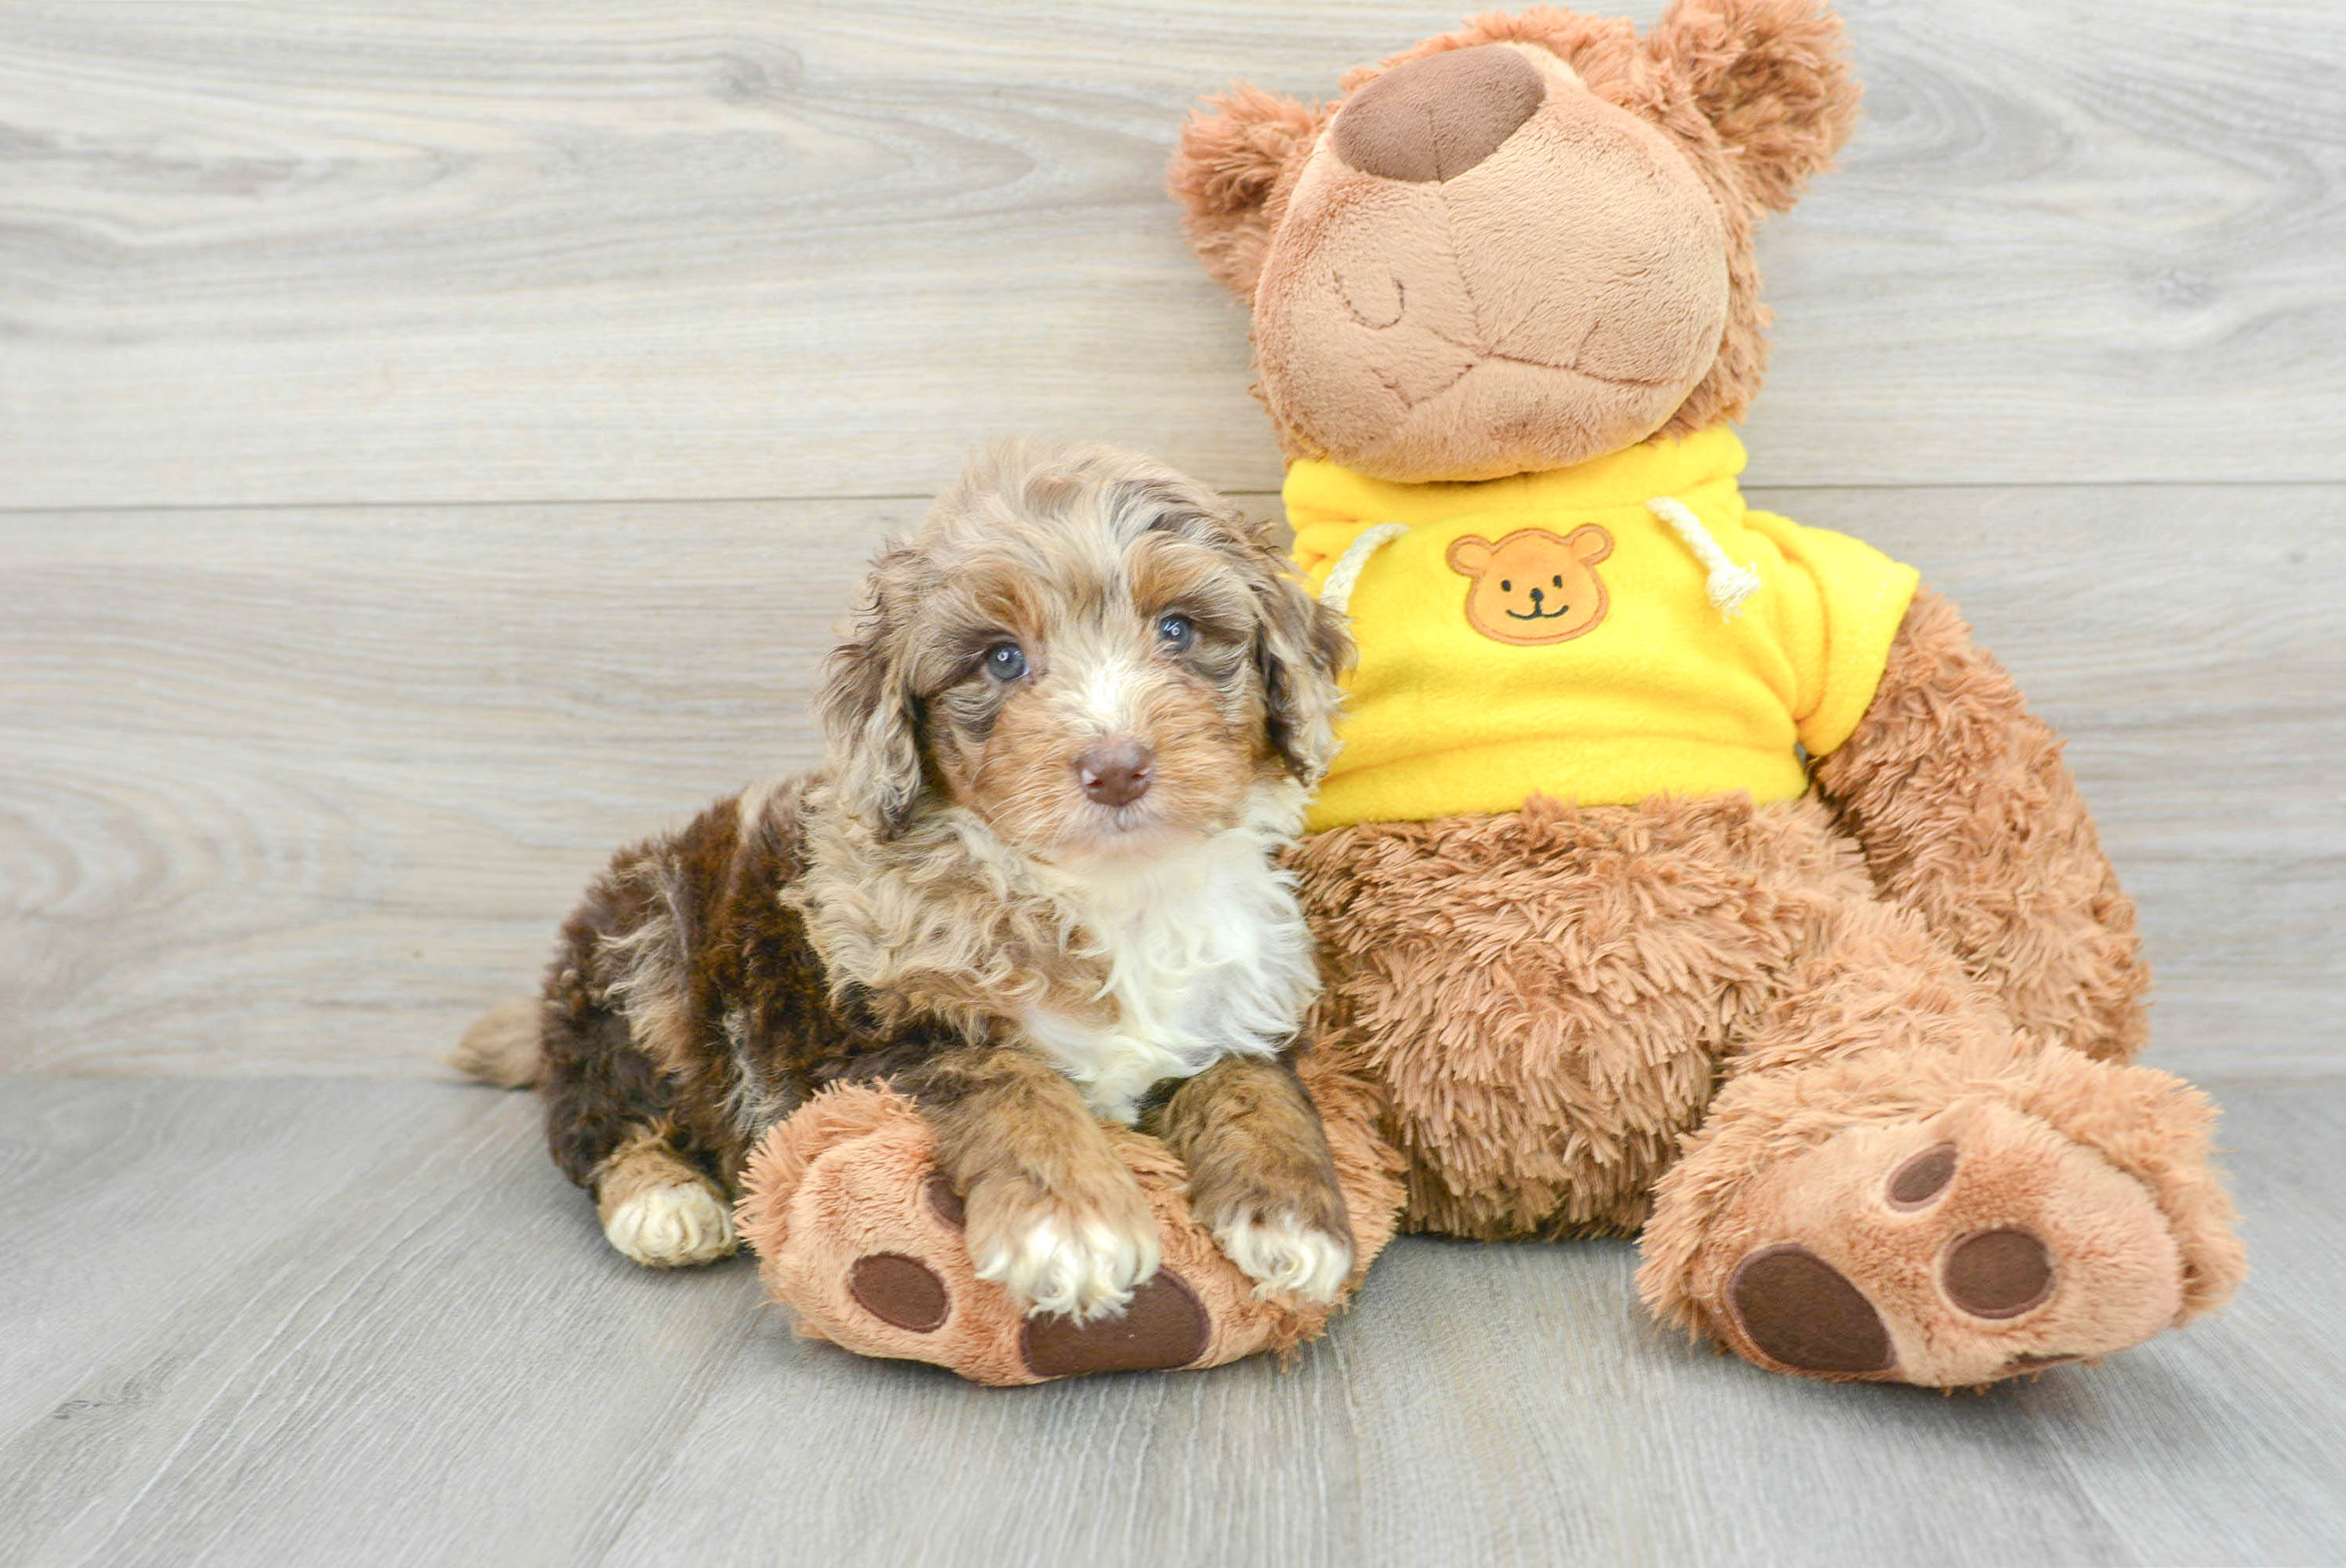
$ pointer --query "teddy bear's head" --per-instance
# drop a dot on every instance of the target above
(1521, 245)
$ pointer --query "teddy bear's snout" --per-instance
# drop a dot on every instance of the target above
(1433, 119)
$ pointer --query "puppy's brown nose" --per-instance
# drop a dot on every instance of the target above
(1435, 119)
(1116, 772)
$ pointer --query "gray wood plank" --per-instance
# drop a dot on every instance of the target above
(258, 253)
(2229, 1440)
(442, 1364)
(301, 795)
(120, 1201)
(1579, 1431)
(445, 1365)
(351, 774)
(1256, 1466)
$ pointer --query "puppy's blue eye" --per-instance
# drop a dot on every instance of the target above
(1005, 661)
(1176, 632)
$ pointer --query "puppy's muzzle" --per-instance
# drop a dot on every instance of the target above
(1116, 772)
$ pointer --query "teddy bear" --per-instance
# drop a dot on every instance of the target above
(1687, 873)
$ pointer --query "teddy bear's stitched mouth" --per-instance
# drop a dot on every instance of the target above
(1414, 407)
(1540, 615)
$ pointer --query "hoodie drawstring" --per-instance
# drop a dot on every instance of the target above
(1729, 584)
(1337, 593)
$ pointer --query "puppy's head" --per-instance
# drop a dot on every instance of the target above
(1089, 652)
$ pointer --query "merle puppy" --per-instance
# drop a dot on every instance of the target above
(1035, 883)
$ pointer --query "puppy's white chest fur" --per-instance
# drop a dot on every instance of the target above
(1207, 956)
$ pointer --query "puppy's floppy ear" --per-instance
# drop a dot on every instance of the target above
(1301, 647)
(1231, 156)
(867, 708)
(1773, 79)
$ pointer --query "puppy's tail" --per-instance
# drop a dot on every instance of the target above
(501, 1047)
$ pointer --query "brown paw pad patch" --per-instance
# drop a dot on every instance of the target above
(943, 1202)
(1922, 1177)
(1802, 1312)
(1165, 1325)
(901, 1290)
(1998, 1273)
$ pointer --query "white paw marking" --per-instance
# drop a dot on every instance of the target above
(672, 1227)
(1286, 1255)
(1079, 1268)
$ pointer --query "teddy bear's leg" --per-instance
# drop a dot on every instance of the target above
(859, 1235)
(1969, 817)
(1896, 1185)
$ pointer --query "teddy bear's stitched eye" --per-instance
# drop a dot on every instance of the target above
(1505, 586)
(1557, 579)
(1005, 661)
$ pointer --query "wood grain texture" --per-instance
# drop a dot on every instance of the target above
(398, 1380)
(445, 1364)
(266, 253)
(302, 793)
(120, 1197)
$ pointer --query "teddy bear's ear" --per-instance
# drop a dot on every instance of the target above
(1469, 557)
(1231, 156)
(1771, 77)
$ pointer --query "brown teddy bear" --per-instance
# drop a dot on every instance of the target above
(1687, 873)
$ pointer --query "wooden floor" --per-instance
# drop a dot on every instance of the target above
(342, 1322)
(436, 443)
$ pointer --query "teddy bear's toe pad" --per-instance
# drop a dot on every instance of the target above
(1998, 1273)
(1803, 1312)
(1973, 1245)
(1165, 1325)
(1922, 1177)
(902, 1292)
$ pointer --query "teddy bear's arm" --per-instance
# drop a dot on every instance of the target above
(1969, 817)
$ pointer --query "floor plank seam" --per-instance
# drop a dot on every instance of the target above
(450, 504)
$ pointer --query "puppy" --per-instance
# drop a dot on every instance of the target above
(1034, 884)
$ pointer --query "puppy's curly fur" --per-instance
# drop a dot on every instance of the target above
(1078, 718)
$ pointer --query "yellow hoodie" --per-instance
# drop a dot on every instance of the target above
(1599, 634)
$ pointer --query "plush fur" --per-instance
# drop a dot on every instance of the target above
(1852, 1067)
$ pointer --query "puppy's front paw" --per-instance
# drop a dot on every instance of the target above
(1078, 1259)
(1281, 1220)
(1288, 1255)
(673, 1225)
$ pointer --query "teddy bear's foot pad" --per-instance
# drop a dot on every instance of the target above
(1164, 1326)
(1803, 1312)
(902, 1292)
(1976, 1244)
(862, 1237)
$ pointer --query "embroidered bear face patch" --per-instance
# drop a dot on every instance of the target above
(1533, 586)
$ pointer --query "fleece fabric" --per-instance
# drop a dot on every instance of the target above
(1553, 634)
